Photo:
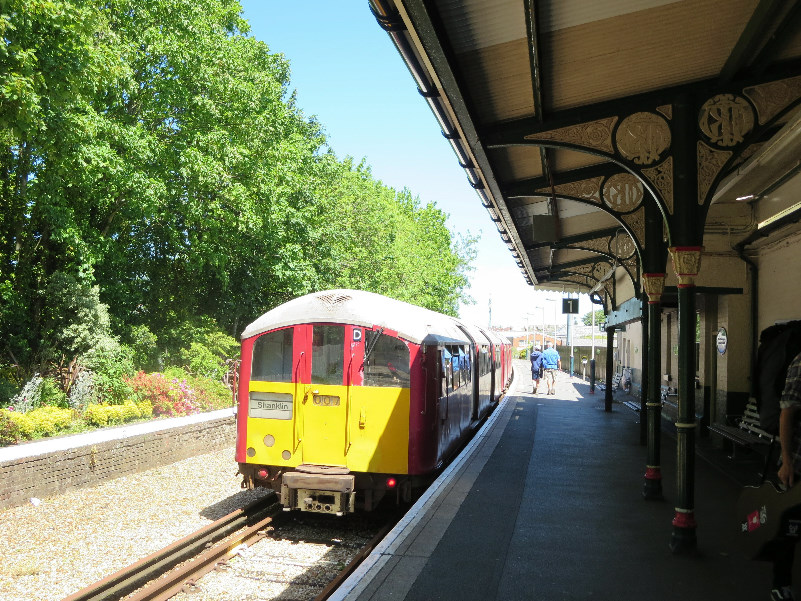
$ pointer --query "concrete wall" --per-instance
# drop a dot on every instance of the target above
(54, 466)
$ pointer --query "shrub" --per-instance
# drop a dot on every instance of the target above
(110, 363)
(52, 395)
(14, 427)
(10, 431)
(108, 415)
(154, 389)
(82, 391)
(144, 345)
(211, 394)
(30, 396)
(73, 318)
(48, 421)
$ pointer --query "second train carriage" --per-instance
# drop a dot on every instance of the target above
(345, 395)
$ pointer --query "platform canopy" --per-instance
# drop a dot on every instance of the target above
(597, 132)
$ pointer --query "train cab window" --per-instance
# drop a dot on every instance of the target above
(328, 355)
(388, 362)
(272, 357)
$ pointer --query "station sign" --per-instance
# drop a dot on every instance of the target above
(570, 305)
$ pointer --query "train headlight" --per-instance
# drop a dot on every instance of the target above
(391, 483)
(286, 455)
(269, 440)
(251, 452)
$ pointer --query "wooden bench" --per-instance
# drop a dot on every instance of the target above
(747, 433)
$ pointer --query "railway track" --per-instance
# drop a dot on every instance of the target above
(253, 546)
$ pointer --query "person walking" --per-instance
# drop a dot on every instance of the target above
(536, 366)
(550, 363)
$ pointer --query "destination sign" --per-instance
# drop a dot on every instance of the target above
(270, 405)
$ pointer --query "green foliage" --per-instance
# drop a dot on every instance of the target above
(160, 187)
(74, 319)
(599, 317)
(52, 395)
(110, 363)
(144, 345)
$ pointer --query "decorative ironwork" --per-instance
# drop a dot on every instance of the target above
(595, 134)
(589, 189)
(654, 286)
(726, 119)
(599, 270)
(771, 98)
(666, 110)
(710, 162)
(622, 246)
(623, 192)
(599, 245)
(686, 263)
(636, 222)
(661, 177)
(643, 137)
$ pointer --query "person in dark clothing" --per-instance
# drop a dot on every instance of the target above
(536, 366)
(789, 474)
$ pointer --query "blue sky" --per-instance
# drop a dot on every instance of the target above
(348, 75)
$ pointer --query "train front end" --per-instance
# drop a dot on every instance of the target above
(324, 411)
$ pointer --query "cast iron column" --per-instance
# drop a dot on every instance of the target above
(654, 284)
(646, 374)
(610, 341)
(686, 261)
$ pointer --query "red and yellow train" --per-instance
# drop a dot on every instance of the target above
(345, 396)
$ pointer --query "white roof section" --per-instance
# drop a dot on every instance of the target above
(367, 309)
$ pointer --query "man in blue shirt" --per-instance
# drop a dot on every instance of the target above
(550, 363)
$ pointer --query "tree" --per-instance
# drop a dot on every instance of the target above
(599, 317)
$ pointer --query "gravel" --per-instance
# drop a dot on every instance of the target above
(65, 543)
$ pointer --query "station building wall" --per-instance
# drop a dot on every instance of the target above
(779, 286)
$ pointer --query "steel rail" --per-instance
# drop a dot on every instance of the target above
(354, 563)
(149, 568)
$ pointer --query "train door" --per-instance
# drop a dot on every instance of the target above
(325, 398)
(446, 389)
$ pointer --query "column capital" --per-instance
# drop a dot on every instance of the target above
(686, 263)
(654, 285)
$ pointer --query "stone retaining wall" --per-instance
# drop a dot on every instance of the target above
(104, 457)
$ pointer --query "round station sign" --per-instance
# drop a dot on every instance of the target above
(722, 340)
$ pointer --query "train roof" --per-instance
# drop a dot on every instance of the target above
(357, 307)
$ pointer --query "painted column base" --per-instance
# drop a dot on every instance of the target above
(652, 484)
(683, 540)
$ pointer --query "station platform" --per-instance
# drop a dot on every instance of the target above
(546, 504)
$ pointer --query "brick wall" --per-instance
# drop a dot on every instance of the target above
(51, 473)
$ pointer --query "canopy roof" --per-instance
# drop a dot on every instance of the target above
(571, 117)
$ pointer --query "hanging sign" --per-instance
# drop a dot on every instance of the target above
(722, 340)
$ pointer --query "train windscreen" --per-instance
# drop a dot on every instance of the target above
(328, 355)
(272, 357)
(388, 363)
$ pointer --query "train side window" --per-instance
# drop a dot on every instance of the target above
(455, 368)
(464, 361)
(388, 363)
(272, 357)
(446, 373)
(328, 355)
